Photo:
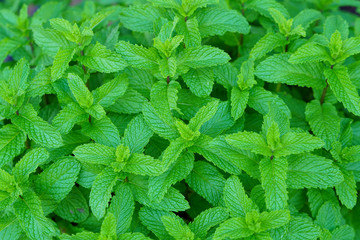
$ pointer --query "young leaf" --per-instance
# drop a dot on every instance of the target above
(273, 181)
(233, 228)
(61, 62)
(102, 60)
(11, 143)
(101, 192)
(36, 128)
(176, 228)
(95, 153)
(343, 88)
(80, 91)
(249, 141)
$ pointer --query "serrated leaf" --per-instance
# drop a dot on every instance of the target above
(137, 134)
(151, 218)
(130, 102)
(36, 128)
(176, 228)
(29, 163)
(208, 219)
(263, 6)
(310, 52)
(74, 208)
(95, 153)
(207, 182)
(138, 56)
(217, 21)
(333, 23)
(278, 69)
(12, 142)
(143, 165)
(249, 141)
(203, 56)
(159, 185)
(343, 232)
(347, 190)
(295, 143)
(233, 228)
(61, 62)
(267, 44)
(102, 60)
(55, 182)
(300, 228)
(329, 216)
(32, 219)
(103, 131)
(71, 114)
(80, 91)
(190, 30)
(236, 200)
(312, 171)
(343, 88)
(239, 101)
(200, 81)
(101, 192)
(273, 181)
(122, 206)
(204, 114)
(274, 219)
(324, 121)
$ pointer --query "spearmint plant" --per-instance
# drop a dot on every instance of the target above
(179, 119)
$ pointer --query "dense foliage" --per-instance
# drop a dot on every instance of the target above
(179, 119)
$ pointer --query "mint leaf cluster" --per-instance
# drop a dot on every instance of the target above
(179, 120)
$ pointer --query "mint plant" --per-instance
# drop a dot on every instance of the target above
(179, 119)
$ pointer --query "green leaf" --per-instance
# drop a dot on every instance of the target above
(133, 236)
(263, 6)
(176, 228)
(32, 219)
(95, 153)
(207, 182)
(203, 56)
(239, 101)
(324, 121)
(306, 17)
(277, 69)
(137, 134)
(122, 206)
(274, 219)
(101, 192)
(151, 218)
(204, 114)
(158, 123)
(36, 128)
(56, 181)
(343, 232)
(173, 151)
(200, 81)
(329, 216)
(29, 163)
(12, 142)
(108, 93)
(130, 102)
(273, 181)
(18, 78)
(40, 84)
(300, 228)
(103, 131)
(80, 91)
(102, 60)
(233, 228)
(236, 200)
(295, 143)
(333, 23)
(61, 62)
(310, 52)
(249, 141)
(351, 46)
(71, 114)
(266, 44)
(138, 56)
(347, 190)
(343, 88)
(312, 171)
(208, 219)
(51, 41)
(143, 165)
(74, 208)
(108, 227)
(190, 30)
(140, 18)
(159, 185)
(218, 21)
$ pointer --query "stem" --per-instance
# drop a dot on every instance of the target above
(322, 99)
